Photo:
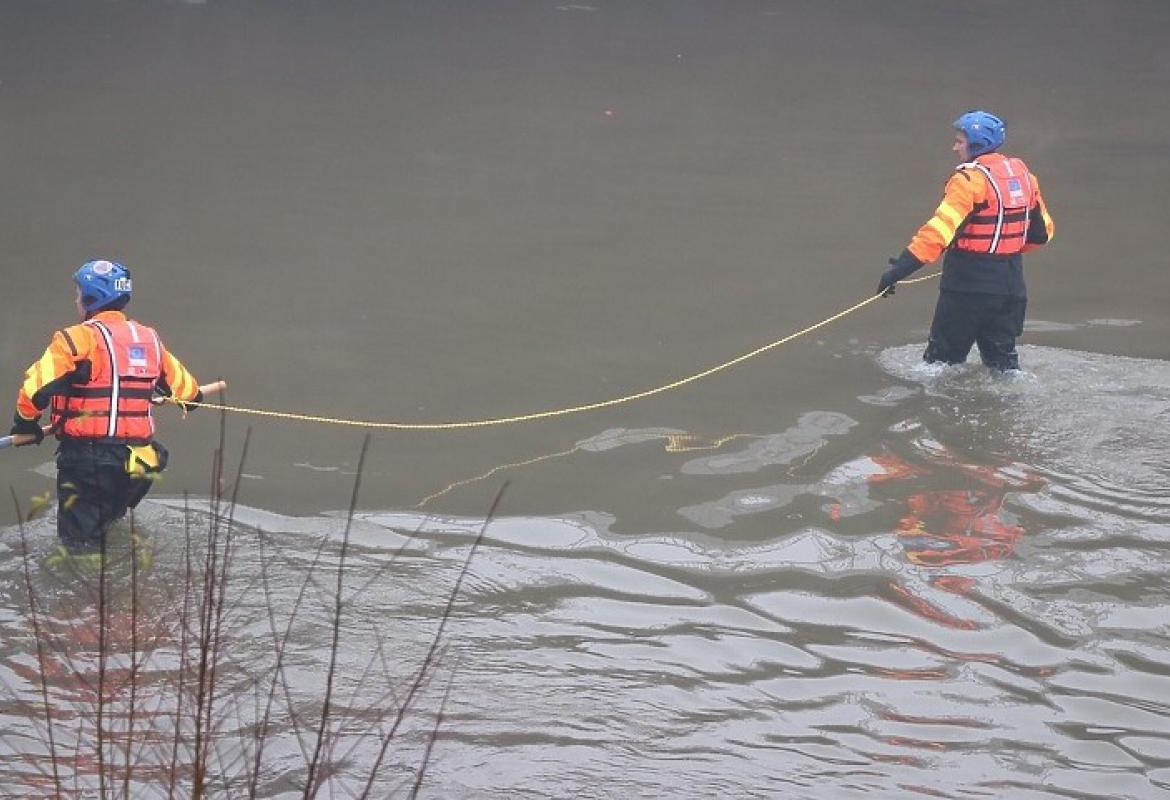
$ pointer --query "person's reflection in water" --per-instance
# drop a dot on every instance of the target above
(961, 522)
(961, 525)
(952, 515)
(108, 638)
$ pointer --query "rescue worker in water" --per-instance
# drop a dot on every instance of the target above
(97, 378)
(991, 213)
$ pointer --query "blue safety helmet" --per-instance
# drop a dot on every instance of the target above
(102, 283)
(984, 131)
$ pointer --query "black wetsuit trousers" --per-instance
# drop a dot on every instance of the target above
(990, 321)
(93, 491)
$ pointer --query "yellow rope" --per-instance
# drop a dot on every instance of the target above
(498, 468)
(556, 412)
(675, 443)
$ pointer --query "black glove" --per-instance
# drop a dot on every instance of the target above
(27, 427)
(187, 406)
(901, 268)
(888, 282)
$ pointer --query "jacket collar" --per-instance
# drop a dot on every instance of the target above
(108, 315)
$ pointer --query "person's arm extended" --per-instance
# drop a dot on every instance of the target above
(176, 381)
(962, 191)
(958, 201)
(52, 372)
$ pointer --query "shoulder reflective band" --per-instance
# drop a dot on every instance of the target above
(999, 202)
(115, 379)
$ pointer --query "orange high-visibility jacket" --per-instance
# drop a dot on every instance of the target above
(100, 375)
(987, 207)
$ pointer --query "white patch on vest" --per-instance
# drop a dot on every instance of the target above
(1015, 192)
(137, 356)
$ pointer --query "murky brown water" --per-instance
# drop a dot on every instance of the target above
(822, 572)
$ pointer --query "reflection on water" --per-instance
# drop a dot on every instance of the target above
(958, 587)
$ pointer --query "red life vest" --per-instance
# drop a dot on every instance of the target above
(125, 365)
(999, 225)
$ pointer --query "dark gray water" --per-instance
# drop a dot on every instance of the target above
(828, 570)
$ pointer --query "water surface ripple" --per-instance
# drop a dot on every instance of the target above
(957, 587)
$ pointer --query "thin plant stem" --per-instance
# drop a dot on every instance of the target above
(422, 768)
(206, 611)
(279, 679)
(220, 585)
(310, 782)
(184, 626)
(133, 660)
(103, 632)
(423, 669)
(37, 635)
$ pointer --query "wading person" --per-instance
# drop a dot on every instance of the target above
(97, 379)
(991, 213)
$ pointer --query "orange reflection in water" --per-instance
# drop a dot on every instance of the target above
(103, 688)
(943, 527)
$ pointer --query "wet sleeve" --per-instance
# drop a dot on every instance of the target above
(51, 374)
(1040, 225)
(176, 381)
(962, 191)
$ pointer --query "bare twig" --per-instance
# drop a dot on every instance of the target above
(184, 623)
(422, 768)
(103, 630)
(313, 776)
(279, 678)
(220, 583)
(34, 616)
(424, 668)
